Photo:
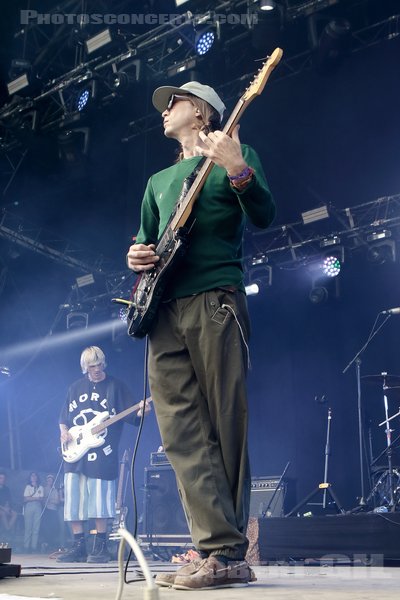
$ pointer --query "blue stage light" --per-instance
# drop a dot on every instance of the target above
(204, 42)
(82, 100)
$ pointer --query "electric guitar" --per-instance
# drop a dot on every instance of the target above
(150, 285)
(85, 437)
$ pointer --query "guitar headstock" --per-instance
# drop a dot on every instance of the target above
(257, 85)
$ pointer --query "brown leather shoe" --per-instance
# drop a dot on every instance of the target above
(213, 574)
(168, 579)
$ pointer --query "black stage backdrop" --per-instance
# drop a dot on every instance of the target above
(323, 138)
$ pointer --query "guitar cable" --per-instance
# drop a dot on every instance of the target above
(134, 453)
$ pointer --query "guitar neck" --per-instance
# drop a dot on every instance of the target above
(184, 210)
(118, 417)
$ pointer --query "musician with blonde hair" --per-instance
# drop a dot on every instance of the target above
(89, 482)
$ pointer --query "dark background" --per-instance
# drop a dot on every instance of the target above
(325, 135)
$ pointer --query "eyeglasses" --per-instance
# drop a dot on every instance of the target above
(175, 97)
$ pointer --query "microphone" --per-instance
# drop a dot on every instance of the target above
(391, 311)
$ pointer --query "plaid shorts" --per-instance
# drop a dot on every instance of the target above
(87, 498)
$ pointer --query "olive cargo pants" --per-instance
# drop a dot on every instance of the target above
(197, 371)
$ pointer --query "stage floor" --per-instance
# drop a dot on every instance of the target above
(43, 577)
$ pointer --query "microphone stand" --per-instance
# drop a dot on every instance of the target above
(357, 360)
(325, 487)
(266, 512)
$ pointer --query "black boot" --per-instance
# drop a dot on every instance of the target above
(99, 553)
(76, 554)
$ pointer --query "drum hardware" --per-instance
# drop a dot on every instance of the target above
(325, 487)
(381, 491)
(389, 419)
(357, 361)
(387, 381)
(386, 482)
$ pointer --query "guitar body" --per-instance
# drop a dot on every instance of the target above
(83, 439)
(87, 436)
(151, 284)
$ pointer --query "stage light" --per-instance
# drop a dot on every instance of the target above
(121, 80)
(127, 76)
(258, 277)
(317, 214)
(382, 252)
(85, 280)
(123, 314)
(73, 145)
(98, 41)
(327, 264)
(267, 5)
(334, 240)
(77, 320)
(259, 259)
(204, 42)
(379, 235)
(331, 266)
(82, 100)
(318, 294)
(17, 84)
(187, 65)
(20, 74)
(333, 43)
(252, 289)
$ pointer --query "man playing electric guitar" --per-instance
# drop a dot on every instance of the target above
(198, 352)
(89, 483)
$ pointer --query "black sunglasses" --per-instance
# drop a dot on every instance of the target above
(175, 97)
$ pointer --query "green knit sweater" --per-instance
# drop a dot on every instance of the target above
(214, 255)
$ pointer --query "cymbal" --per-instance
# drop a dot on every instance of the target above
(388, 380)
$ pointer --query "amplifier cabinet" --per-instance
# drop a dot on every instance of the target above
(163, 514)
(263, 502)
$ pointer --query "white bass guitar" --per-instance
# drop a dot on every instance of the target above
(85, 437)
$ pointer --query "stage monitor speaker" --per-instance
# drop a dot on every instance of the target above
(262, 490)
(163, 511)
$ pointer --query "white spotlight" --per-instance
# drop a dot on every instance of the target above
(267, 5)
(252, 289)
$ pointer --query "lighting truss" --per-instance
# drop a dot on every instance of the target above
(305, 9)
(291, 66)
(162, 48)
(294, 245)
(52, 246)
(100, 280)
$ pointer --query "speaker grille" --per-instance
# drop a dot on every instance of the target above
(163, 511)
(261, 502)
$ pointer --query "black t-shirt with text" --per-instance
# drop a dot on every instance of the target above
(85, 400)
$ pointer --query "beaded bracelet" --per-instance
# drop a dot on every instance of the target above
(247, 172)
(242, 184)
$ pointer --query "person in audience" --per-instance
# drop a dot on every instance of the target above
(33, 497)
